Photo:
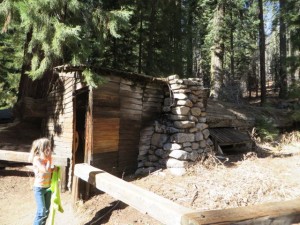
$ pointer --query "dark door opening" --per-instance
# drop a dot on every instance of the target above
(80, 125)
(80, 114)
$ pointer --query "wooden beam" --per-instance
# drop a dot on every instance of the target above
(15, 156)
(163, 210)
(170, 213)
(275, 213)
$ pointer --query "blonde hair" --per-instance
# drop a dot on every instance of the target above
(38, 146)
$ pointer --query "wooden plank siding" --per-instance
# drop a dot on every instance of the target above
(152, 102)
(120, 107)
(117, 110)
(59, 123)
(131, 118)
(106, 124)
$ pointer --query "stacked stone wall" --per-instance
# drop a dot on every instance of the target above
(181, 135)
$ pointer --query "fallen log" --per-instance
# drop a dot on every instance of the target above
(170, 213)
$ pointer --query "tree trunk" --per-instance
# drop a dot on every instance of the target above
(189, 64)
(25, 66)
(262, 57)
(217, 53)
(150, 46)
(231, 47)
(282, 51)
(177, 41)
(140, 38)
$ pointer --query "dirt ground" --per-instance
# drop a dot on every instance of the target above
(233, 181)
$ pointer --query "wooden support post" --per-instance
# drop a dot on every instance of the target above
(163, 210)
(63, 178)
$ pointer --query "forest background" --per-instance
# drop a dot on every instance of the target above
(236, 46)
(242, 49)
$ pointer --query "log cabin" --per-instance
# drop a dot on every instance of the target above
(99, 126)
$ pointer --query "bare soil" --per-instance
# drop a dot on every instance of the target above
(267, 175)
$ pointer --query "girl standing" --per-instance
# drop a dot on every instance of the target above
(41, 158)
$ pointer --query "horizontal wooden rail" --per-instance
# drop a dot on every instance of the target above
(170, 213)
(161, 209)
(274, 213)
(14, 156)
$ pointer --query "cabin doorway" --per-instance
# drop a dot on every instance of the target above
(81, 97)
(80, 125)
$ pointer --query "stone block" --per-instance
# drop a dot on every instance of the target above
(177, 117)
(185, 102)
(201, 126)
(188, 149)
(205, 133)
(178, 86)
(182, 137)
(181, 110)
(173, 77)
(172, 146)
(179, 154)
(193, 156)
(196, 111)
(177, 171)
(180, 96)
(195, 145)
(174, 163)
(199, 136)
(193, 98)
(159, 139)
(202, 144)
(184, 124)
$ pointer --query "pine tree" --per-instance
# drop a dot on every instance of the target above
(61, 31)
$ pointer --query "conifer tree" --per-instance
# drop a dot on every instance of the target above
(61, 31)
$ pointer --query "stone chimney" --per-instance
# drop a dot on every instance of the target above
(181, 135)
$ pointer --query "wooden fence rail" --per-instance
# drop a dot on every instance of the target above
(170, 213)
(163, 210)
(22, 157)
(15, 156)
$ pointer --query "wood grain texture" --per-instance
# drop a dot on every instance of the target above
(23, 157)
(147, 202)
(275, 213)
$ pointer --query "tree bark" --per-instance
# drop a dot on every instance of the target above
(217, 53)
(150, 46)
(177, 41)
(262, 54)
(231, 46)
(189, 64)
(140, 38)
(25, 66)
(282, 51)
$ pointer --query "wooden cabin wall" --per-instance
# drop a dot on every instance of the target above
(59, 123)
(153, 99)
(131, 107)
(120, 109)
(106, 123)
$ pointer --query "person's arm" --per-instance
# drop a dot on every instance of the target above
(42, 167)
